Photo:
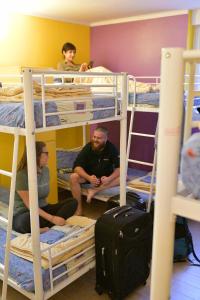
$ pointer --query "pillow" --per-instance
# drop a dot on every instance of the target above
(190, 165)
(66, 158)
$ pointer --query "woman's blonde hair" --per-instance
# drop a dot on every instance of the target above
(39, 149)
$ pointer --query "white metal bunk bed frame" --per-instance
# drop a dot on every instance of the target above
(29, 132)
(168, 202)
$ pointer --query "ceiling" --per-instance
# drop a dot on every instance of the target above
(91, 12)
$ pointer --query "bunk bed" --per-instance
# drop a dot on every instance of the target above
(144, 96)
(169, 201)
(36, 94)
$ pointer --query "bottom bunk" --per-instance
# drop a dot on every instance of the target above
(67, 252)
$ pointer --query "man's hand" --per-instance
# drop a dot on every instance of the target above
(58, 220)
(105, 180)
(94, 180)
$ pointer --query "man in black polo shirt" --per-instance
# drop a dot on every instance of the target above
(98, 164)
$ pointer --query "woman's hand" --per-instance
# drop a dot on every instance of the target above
(58, 220)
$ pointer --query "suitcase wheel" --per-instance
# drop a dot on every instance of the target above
(99, 289)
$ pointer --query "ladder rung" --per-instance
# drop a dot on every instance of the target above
(143, 134)
(140, 162)
(6, 173)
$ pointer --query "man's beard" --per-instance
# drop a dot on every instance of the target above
(97, 146)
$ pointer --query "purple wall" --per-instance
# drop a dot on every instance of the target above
(135, 48)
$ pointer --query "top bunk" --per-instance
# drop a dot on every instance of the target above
(51, 100)
(144, 94)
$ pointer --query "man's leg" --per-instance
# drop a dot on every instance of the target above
(93, 191)
(75, 184)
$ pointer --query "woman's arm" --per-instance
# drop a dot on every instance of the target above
(51, 218)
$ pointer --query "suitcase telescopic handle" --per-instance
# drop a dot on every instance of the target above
(123, 210)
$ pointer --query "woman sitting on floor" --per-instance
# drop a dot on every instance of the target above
(49, 214)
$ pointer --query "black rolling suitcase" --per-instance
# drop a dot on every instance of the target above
(123, 240)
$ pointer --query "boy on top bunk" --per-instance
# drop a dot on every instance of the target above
(98, 164)
(69, 52)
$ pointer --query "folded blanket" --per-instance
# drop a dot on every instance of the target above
(16, 93)
(22, 245)
(143, 183)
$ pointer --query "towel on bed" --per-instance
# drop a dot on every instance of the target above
(22, 245)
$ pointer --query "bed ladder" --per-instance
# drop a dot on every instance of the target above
(9, 222)
(153, 164)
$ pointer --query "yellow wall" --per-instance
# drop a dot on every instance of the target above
(70, 138)
(37, 42)
(190, 33)
(33, 41)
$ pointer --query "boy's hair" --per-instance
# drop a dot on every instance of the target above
(102, 129)
(68, 46)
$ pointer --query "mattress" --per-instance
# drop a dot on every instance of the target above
(151, 98)
(12, 113)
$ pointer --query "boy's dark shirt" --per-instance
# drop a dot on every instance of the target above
(99, 163)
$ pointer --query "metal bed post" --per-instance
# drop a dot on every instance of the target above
(32, 181)
(10, 214)
(170, 118)
(123, 139)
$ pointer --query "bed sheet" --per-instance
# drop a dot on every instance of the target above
(12, 113)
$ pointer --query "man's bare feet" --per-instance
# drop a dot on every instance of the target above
(90, 195)
(44, 229)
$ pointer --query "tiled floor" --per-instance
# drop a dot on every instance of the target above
(185, 281)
